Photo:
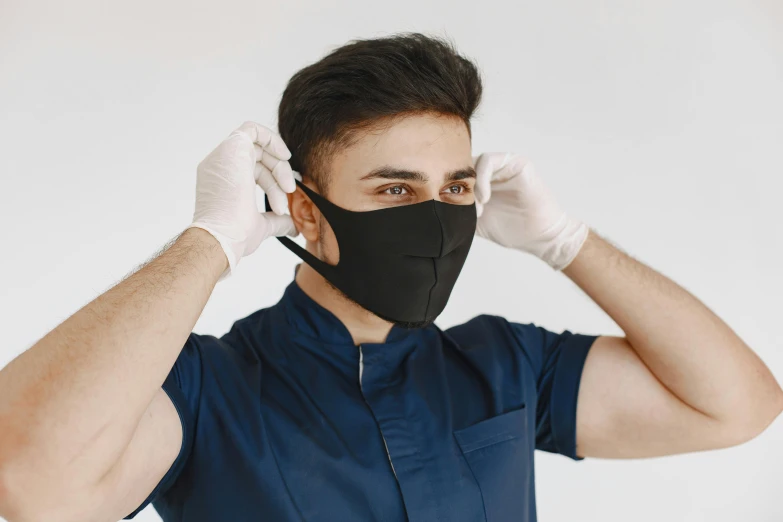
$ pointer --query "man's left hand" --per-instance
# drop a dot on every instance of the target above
(517, 210)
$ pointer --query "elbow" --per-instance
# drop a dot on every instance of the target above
(754, 417)
(33, 498)
(8, 508)
(13, 507)
(32, 491)
(14, 503)
(17, 502)
(774, 406)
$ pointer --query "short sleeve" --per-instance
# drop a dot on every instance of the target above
(183, 386)
(557, 361)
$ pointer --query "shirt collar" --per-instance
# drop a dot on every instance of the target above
(314, 321)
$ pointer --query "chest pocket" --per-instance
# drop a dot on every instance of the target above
(499, 452)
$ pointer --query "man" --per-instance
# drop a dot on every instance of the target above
(344, 401)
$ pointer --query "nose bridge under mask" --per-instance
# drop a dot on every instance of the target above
(456, 224)
(408, 230)
(415, 232)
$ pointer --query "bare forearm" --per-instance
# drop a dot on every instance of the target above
(72, 401)
(685, 345)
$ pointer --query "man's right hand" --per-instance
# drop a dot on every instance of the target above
(251, 156)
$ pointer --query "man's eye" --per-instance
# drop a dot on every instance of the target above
(456, 189)
(396, 190)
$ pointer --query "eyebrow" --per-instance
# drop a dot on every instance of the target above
(390, 173)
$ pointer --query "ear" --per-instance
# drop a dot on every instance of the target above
(304, 213)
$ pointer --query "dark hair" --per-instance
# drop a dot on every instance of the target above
(365, 84)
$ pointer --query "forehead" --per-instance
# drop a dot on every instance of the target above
(427, 142)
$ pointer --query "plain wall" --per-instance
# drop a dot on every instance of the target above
(658, 123)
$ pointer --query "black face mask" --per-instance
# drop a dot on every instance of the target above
(400, 263)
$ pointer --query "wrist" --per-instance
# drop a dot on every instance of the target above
(202, 241)
(586, 251)
(570, 235)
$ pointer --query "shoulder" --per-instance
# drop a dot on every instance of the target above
(493, 330)
(496, 336)
(232, 355)
(244, 337)
(493, 336)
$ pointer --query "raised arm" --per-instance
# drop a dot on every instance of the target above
(85, 429)
(680, 380)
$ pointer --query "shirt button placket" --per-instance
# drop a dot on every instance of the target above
(361, 370)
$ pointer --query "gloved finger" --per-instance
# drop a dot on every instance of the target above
(526, 168)
(480, 231)
(479, 208)
(297, 176)
(269, 224)
(267, 139)
(484, 169)
(280, 225)
(507, 165)
(281, 169)
(277, 198)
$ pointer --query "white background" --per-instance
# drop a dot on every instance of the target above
(659, 123)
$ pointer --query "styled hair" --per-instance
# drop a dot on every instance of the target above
(367, 84)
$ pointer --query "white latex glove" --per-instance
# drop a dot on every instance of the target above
(252, 155)
(516, 210)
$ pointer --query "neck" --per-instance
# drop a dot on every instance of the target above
(364, 326)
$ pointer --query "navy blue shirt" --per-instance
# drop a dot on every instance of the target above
(441, 425)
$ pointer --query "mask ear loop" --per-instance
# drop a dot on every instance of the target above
(325, 269)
